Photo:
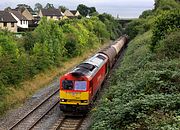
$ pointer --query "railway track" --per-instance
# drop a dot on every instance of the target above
(33, 117)
(69, 123)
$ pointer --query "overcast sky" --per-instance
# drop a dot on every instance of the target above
(123, 8)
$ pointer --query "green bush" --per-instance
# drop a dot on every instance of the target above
(136, 27)
(164, 24)
(113, 27)
(166, 5)
(169, 47)
(143, 93)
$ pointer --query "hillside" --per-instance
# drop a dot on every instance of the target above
(144, 93)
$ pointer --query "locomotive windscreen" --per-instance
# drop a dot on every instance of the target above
(74, 85)
(67, 84)
(80, 85)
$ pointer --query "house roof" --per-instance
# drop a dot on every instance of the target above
(73, 12)
(18, 15)
(21, 9)
(6, 17)
(51, 12)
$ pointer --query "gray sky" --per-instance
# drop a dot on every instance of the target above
(123, 8)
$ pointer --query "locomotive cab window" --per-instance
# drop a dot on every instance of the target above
(80, 85)
(67, 84)
(101, 57)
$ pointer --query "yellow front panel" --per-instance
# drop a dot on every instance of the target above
(74, 98)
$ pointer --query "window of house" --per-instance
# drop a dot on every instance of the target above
(51, 16)
(5, 24)
(21, 21)
(12, 24)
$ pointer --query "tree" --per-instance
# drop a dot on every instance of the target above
(83, 9)
(24, 6)
(63, 8)
(146, 13)
(166, 4)
(7, 9)
(92, 10)
(38, 7)
(49, 6)
(167, 22)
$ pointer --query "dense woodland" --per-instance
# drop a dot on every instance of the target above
(48, 46)
(144, 93)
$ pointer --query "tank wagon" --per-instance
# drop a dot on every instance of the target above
(79, 87)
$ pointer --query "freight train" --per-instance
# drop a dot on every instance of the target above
(79, 87)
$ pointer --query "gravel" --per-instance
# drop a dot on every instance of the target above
(14, 115)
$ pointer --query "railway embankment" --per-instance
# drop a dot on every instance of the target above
(144, 91)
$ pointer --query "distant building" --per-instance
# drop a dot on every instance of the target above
(71, 13)
(51, 13)
(25, 12)
(32, 21)
(7, 21)
(22, 21)
(75, 13)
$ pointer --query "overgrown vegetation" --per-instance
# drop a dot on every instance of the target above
(48, 46)
(144, 92)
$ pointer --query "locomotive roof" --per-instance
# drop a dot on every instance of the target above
(90, 66)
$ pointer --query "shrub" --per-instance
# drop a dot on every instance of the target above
(169, 47)
(165, 23)
(136, 27)
(142, 95)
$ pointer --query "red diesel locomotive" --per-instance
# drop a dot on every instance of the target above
(78, 88)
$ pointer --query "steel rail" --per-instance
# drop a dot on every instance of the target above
(76, 127)
(35, 108)
(45, 113)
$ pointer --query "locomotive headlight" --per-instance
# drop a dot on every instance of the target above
(62, 100)
(84, 101)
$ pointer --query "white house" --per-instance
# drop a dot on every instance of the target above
(22, 22)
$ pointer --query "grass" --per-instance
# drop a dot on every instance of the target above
(18, 95)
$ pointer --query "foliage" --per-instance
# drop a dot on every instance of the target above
(166, 5)
(165, 23)
(136, 27)
(146, 13)
(63, 8)
(52, 37)
(49, 6)
(113, 27)
(144, 91)
(169, 47)
(84, 10)
(37, 7)
(144, 94)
